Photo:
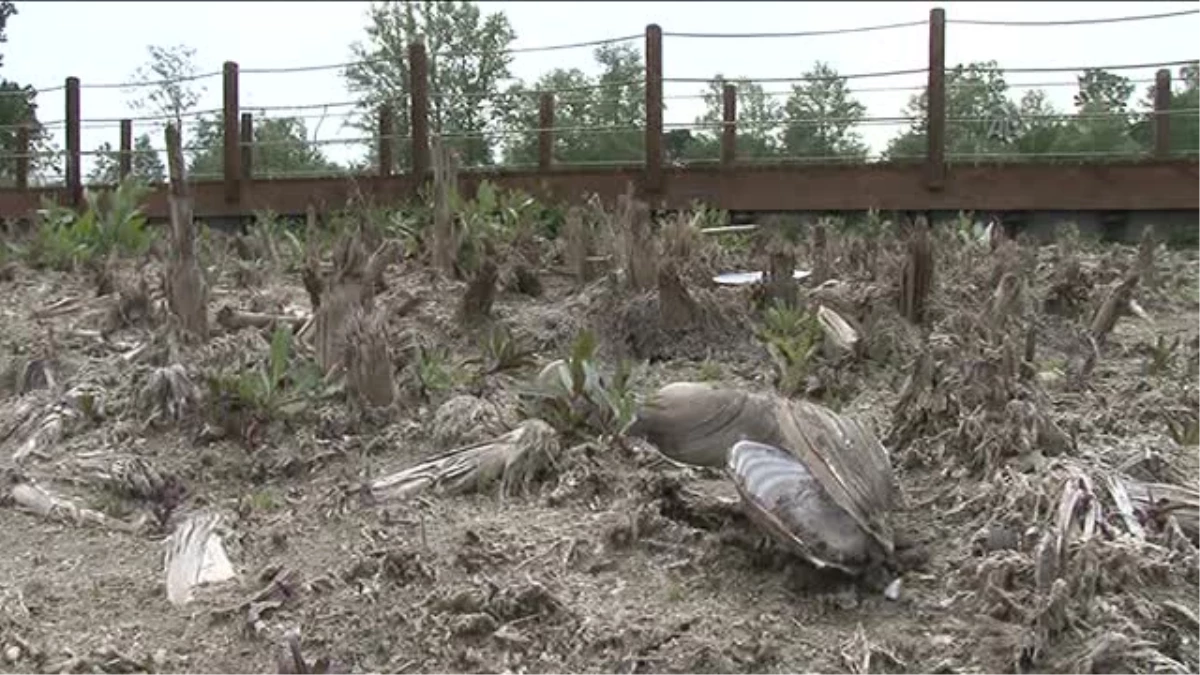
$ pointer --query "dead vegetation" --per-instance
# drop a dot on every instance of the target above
(372, 433)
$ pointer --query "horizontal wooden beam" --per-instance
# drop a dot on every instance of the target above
(1150, 185)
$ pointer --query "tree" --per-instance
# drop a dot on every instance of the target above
(146, 163)
(759, 117)
(170, 82)
(1105, 122)
(596, 119)
(18, 105)
(281, 148)
(822, 114)
(467, 61)
(980, 118)
(1185, 123)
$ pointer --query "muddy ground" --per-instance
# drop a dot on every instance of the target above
(607, 565)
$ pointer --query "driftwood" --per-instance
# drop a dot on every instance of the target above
(41, 502)
(820, 255)
(235, 319)
(514, 460)
(844, 465)
(838, 331)
(311, 275)
(187, 293)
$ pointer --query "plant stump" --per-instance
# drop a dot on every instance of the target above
(187, 294)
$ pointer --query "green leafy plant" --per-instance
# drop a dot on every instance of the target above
(277, 387)
(573, 397)
(792, 336)
(112, 222)
(502, 351)
(435, 369)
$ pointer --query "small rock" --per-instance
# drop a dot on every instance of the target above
(12, 653)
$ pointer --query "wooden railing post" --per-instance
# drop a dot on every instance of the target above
(654, 109)
(418, 71)
(125, 156)
(935, 131)
(546, 131)
(246, 136)
(387, 141)
(232, 135)
(729, 130)
(74, 172)
(1162, 114)
(21, 170)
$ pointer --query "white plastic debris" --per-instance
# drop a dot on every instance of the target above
(747, 278)
(195, 556)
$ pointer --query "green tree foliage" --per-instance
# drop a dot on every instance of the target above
(146, 164)
(980, 118)
(18, 105)
(281, 148)
(817, 119)
(467, 62)
(822, 114)
(168, 84)
(601, 118)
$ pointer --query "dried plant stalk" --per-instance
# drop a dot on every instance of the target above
(352, 286)
(678, 307)
(820, 254)
(916, 282)
(1110, 310)
(780, 279)
(1004, 300)
(445, 188)
(640, 250)
(480, 295)
(187, 293)
(1145, 259)
(368, 361)
(577, 245)
(311, 275)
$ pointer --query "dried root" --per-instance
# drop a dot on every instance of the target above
(368, 362)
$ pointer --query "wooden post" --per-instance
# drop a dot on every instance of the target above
(232, 135)
(546, 131)
(247, 139)
(935, 160)
(21, 171)
(418, 65)
(74, 173)
(387, 141)
(1162, 114)
(729, 131)
(125, 158)
(654, 109)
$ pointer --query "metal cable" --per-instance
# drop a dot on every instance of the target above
(1068, 69)
(808, 33)
(803, 78)
(442, 54)
(1072, 22)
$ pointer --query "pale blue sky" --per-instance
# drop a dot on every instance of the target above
(104, 42)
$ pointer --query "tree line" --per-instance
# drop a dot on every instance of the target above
(482, 110)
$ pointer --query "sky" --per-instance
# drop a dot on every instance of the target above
(105, 43)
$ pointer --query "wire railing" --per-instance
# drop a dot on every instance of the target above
(617, 122)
